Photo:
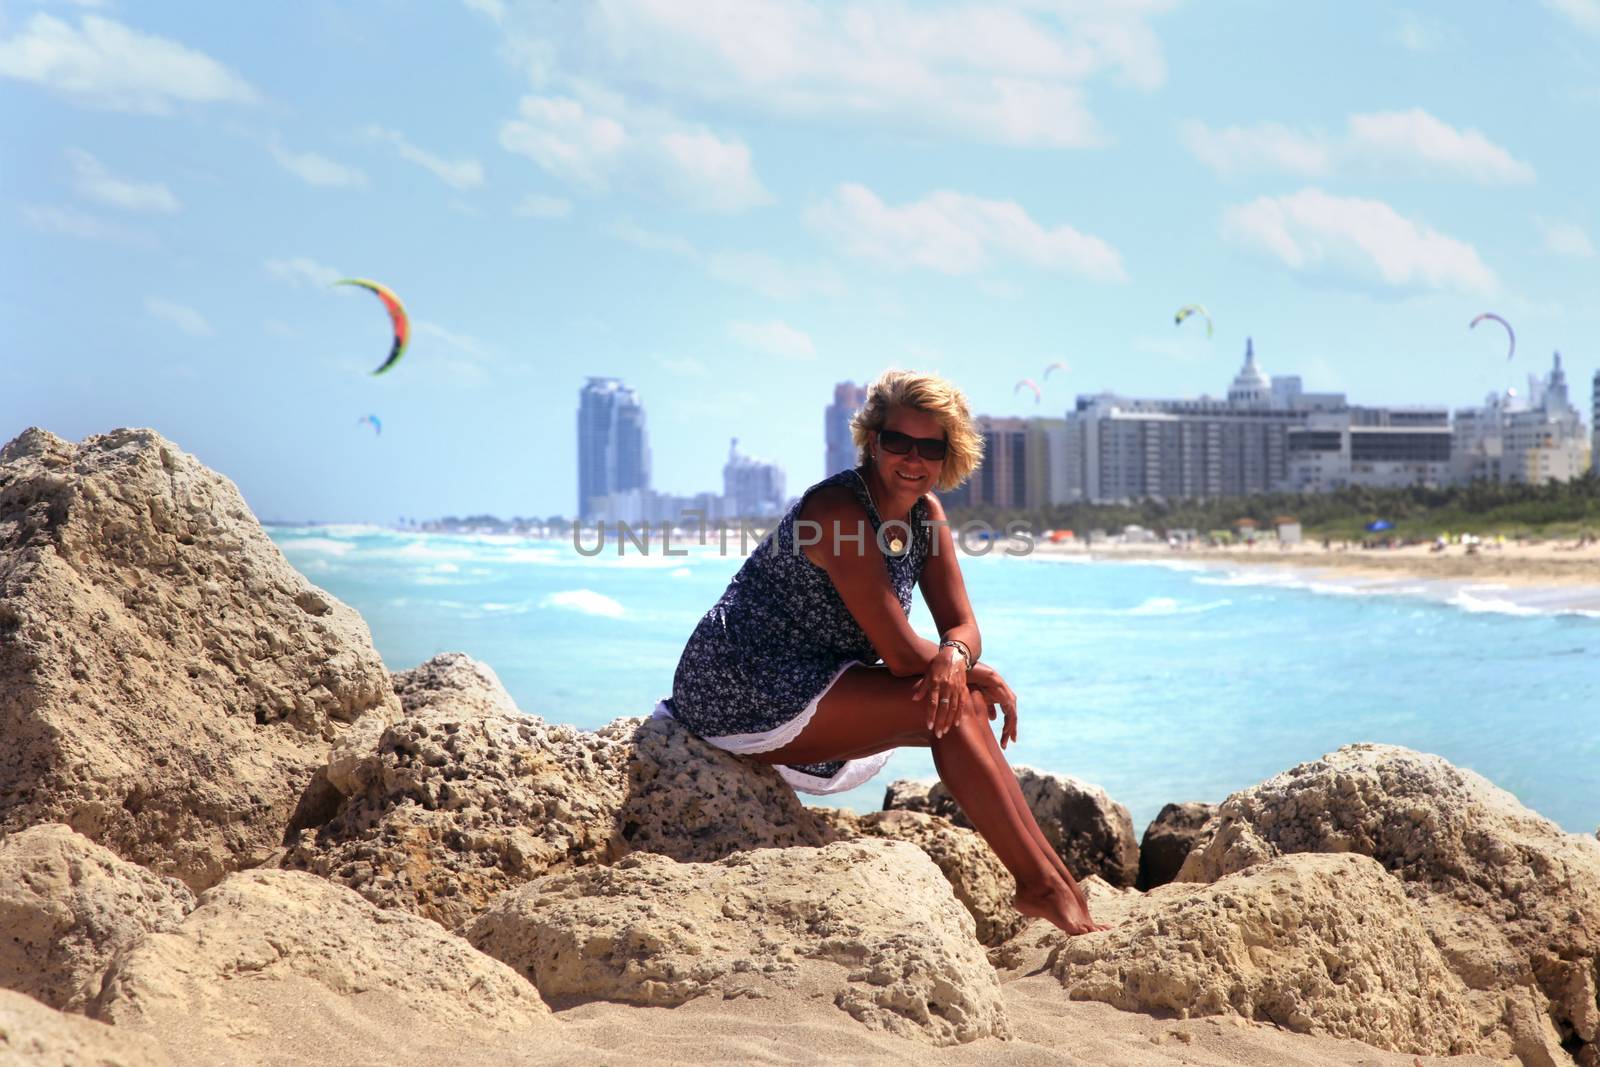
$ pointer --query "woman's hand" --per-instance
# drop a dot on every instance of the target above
(944, 686)
(993, 693)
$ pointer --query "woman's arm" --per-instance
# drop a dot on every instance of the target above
(859, 574)
(943, 587)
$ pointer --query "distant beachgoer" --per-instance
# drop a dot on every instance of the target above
(808, 662)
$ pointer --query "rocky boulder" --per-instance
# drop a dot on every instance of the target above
(1315, 944)
(976, 875)
(1168, 840)
(168, 682)
(38, 1036)
(67, 906)
(1512, 900)
(872, 924)
(1092, 833)
(464, 798)
(904, 794)
(272, 952)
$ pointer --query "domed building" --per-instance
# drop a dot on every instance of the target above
(1250, 388)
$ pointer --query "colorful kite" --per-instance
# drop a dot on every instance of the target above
(376, 425)
(1509, 331)
(1038, 394)
(1192, 309)
(397, 316)
(1056, 366)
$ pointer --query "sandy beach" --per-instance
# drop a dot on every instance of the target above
(1552, 575)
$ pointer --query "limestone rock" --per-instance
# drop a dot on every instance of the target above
(67, 906)
(1168, 840)
(1513, 902)
(904, 794)
(168, 682)
(870, 923)
(1092, 833)
(39, 1036)
(462, 799)
(694, 802)
(976, 875)
(1316, 944)
(266, 947)
(451, 686)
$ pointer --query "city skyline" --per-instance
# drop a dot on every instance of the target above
(733, 213)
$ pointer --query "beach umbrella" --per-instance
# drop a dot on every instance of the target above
(1377, 525)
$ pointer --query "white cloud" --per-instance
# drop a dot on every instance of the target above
(1315, 233)
(599, 143)
(470, 345)
(1006, 74)
(1584, 14)
(539, 206)
(954, 233)
(302, 270)
(1417, 34)
(318, 170)
(775, 338)
(183, 317)
(1414, 136)
(635, 234)
(96, 183)
(686, 367)
(495, 10)
(102, 63)
(1267, 146)
(1381, 142)
(770, 276)
(73, 223)
(1565, 238)
(460, 174)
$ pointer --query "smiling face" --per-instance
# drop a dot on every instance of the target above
(909, 473)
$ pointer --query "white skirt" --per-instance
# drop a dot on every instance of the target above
(853, 773)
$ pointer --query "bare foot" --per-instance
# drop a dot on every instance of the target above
(1059, 905)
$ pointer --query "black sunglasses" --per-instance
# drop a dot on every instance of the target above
(930, 448)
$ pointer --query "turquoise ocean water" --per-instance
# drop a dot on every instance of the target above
(1159, 682)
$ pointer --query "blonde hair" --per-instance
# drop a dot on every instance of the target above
(937, 397)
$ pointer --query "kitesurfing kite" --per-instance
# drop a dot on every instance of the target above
(1038, 394)
(1055, 366)
(397, 316)
(1192, 309)
(376, 425)
(1509, 331)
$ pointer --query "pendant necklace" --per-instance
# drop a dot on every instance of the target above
(895, 544)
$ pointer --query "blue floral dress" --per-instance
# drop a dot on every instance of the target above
(759, 661)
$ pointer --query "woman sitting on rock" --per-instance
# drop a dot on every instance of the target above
(785, 666)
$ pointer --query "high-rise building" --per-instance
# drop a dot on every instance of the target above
(753, 488)
(1120, 448)
(848, 398)
(1532, 439)
(1594, 415)
(613, 446)
(1025, 465)
(1378, 447)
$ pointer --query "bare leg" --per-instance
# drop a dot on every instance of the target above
(869, 710)
(1024, 814)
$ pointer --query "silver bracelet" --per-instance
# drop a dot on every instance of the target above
(959, 646)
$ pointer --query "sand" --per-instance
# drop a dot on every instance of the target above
(1552, 576)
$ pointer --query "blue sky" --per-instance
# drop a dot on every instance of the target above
(733, 204)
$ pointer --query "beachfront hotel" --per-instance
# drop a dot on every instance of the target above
(1531, 439)
(1270, 435)
(1267, 435)
(1594, 411)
